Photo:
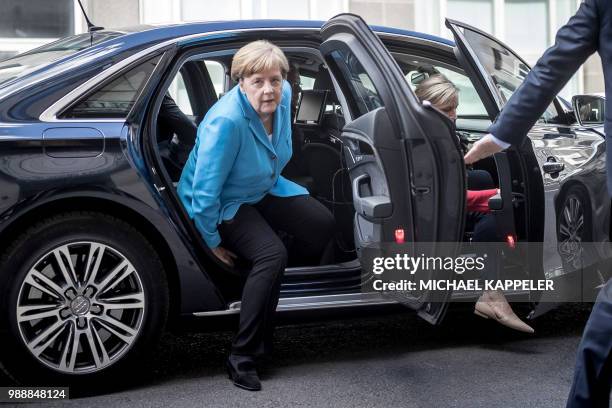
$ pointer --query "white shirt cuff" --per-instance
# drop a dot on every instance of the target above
(500, 143)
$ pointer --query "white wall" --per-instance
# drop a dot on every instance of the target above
(112, 13)
(157, 11)
(527, 26)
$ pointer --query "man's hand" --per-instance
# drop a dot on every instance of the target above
(485, 147)
(225, 255)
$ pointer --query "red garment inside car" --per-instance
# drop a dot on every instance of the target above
(478, 200)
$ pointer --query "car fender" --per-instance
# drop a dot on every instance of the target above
(192, 286)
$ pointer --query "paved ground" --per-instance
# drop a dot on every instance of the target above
(389, 361)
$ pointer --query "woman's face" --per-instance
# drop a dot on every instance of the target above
(263, 90)
(450, 111)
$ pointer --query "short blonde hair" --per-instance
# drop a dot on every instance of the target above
(439, 91)
(258, 56)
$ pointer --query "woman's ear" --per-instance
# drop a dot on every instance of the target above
(240, 84)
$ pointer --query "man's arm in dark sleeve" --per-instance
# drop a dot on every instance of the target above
(174, 119)
(574, 43)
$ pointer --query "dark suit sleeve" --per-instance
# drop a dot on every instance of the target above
(173, 119)
(574, 43)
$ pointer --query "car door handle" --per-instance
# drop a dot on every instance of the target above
(377, 206)
(553, 166)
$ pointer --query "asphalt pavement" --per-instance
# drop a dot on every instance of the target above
(393, 360)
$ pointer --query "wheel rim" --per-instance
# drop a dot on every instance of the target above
(571, 230)
(80, 307)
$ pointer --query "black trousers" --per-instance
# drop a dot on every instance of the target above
(251, 234)
(479, 180)
(171, 120)
(593, 374)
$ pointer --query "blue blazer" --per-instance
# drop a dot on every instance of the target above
(233, 162)
(588, 31)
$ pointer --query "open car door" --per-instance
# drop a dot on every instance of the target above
(497, 72)
(403, 158)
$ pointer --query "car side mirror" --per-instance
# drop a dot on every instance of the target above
(590, 110)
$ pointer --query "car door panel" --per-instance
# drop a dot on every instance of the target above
(403, 158)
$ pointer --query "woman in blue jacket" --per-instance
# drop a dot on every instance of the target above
(232, 189)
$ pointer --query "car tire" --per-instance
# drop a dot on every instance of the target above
(109, 315)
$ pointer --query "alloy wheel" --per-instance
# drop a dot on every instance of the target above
(80, 307)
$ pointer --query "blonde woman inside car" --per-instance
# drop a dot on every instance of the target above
(492, 304)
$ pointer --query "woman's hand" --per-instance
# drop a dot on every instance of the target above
(225, 255)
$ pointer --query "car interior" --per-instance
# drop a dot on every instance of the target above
(319, 160)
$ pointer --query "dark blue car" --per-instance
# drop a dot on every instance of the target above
(99, 256)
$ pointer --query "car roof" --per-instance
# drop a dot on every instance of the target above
(121, 39)
(168, 31)
(143, 34)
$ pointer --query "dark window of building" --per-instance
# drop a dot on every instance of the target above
(36, 18)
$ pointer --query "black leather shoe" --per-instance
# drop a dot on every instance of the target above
(243, 374)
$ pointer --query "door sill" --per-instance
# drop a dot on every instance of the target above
(312, 303)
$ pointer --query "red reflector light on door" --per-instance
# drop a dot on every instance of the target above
(511, 241)
(399, 236)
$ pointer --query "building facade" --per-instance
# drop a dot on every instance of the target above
(528, 26)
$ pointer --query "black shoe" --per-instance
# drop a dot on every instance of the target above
(243, 374)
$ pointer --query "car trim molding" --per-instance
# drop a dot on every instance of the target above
(346, 300)
(312, 302)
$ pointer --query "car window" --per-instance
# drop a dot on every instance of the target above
(116, 98)
(30, 61)
(217, 75)
(306, 82)
(178, 92)
(506, 70)
(365, 96)
(470, 104)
